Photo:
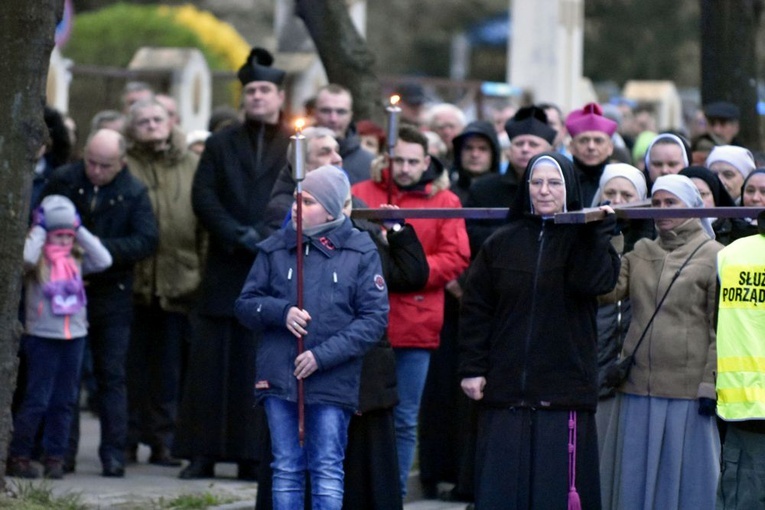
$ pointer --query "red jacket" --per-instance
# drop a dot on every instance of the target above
(416, 318)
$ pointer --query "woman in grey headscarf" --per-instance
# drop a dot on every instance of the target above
(620, 184)
(663, 450)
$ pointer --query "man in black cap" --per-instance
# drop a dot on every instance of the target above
(230, 193)
(722, 122)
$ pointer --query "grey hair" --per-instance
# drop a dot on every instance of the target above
(309, 133)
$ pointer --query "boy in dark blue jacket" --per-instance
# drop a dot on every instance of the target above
(345, 314)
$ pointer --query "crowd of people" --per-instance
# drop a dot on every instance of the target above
(161, 277)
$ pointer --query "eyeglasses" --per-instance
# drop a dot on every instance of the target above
(337, 111)
(551, 184)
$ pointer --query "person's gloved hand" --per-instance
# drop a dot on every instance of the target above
(38, 217)
(707, 406)
(248, 239)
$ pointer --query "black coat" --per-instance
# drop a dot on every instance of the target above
(493, 190)
(527, 322)
(230, 194)
(356, 161)
(217, 417)
(120, 215)
(589, 179)
(405, 269)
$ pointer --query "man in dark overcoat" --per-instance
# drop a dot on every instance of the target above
(231, 189)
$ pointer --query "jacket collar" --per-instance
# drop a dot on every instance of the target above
(328, 243)
(677, 237)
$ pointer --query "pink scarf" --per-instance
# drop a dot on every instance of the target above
(65, 289)
(62, 264)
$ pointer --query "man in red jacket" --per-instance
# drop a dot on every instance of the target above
(416, 318)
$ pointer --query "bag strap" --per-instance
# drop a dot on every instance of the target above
(661, 302)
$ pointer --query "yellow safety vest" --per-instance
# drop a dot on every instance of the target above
(741, 330)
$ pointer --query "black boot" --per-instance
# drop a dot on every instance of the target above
(247, 470)
(199, 467)
(160, 456)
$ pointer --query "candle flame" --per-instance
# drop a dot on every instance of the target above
(394, 99)
(299, 124)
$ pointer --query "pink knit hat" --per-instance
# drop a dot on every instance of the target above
(589, 118)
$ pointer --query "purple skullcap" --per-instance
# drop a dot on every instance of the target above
(589, 118)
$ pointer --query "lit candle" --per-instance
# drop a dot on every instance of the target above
(298, 144)
(393, 112)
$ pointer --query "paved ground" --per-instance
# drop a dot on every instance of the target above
(146, 486)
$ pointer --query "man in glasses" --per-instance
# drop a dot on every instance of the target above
(334, 110)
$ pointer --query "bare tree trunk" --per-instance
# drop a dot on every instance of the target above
(344, 53)
(26, 41)
(729, 59)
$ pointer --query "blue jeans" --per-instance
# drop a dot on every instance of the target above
(53, 377)
(411, 372)
(326, 436)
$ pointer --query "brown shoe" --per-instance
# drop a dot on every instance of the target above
(21, 467)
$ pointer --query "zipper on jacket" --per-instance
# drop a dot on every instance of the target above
(93, 200)
(532, 309)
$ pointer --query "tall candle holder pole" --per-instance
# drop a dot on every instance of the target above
(298, 172)
(393, 111)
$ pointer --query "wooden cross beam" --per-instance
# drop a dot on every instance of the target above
(636, 211)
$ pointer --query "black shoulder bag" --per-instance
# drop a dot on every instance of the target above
(618, 372)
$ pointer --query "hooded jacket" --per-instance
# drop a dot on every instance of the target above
(460, 178)
(173, 273)
(344, 292)
(527, 322)
(416, 317)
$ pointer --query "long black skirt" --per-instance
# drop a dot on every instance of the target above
(522, 460)
(216, 418)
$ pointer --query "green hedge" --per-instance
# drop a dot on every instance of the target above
(111, 36)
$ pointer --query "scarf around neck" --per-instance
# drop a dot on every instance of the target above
(65, 288)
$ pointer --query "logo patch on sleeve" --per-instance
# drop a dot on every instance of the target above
(379, 282)
(262, 385)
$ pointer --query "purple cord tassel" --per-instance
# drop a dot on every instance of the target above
(574, 503)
